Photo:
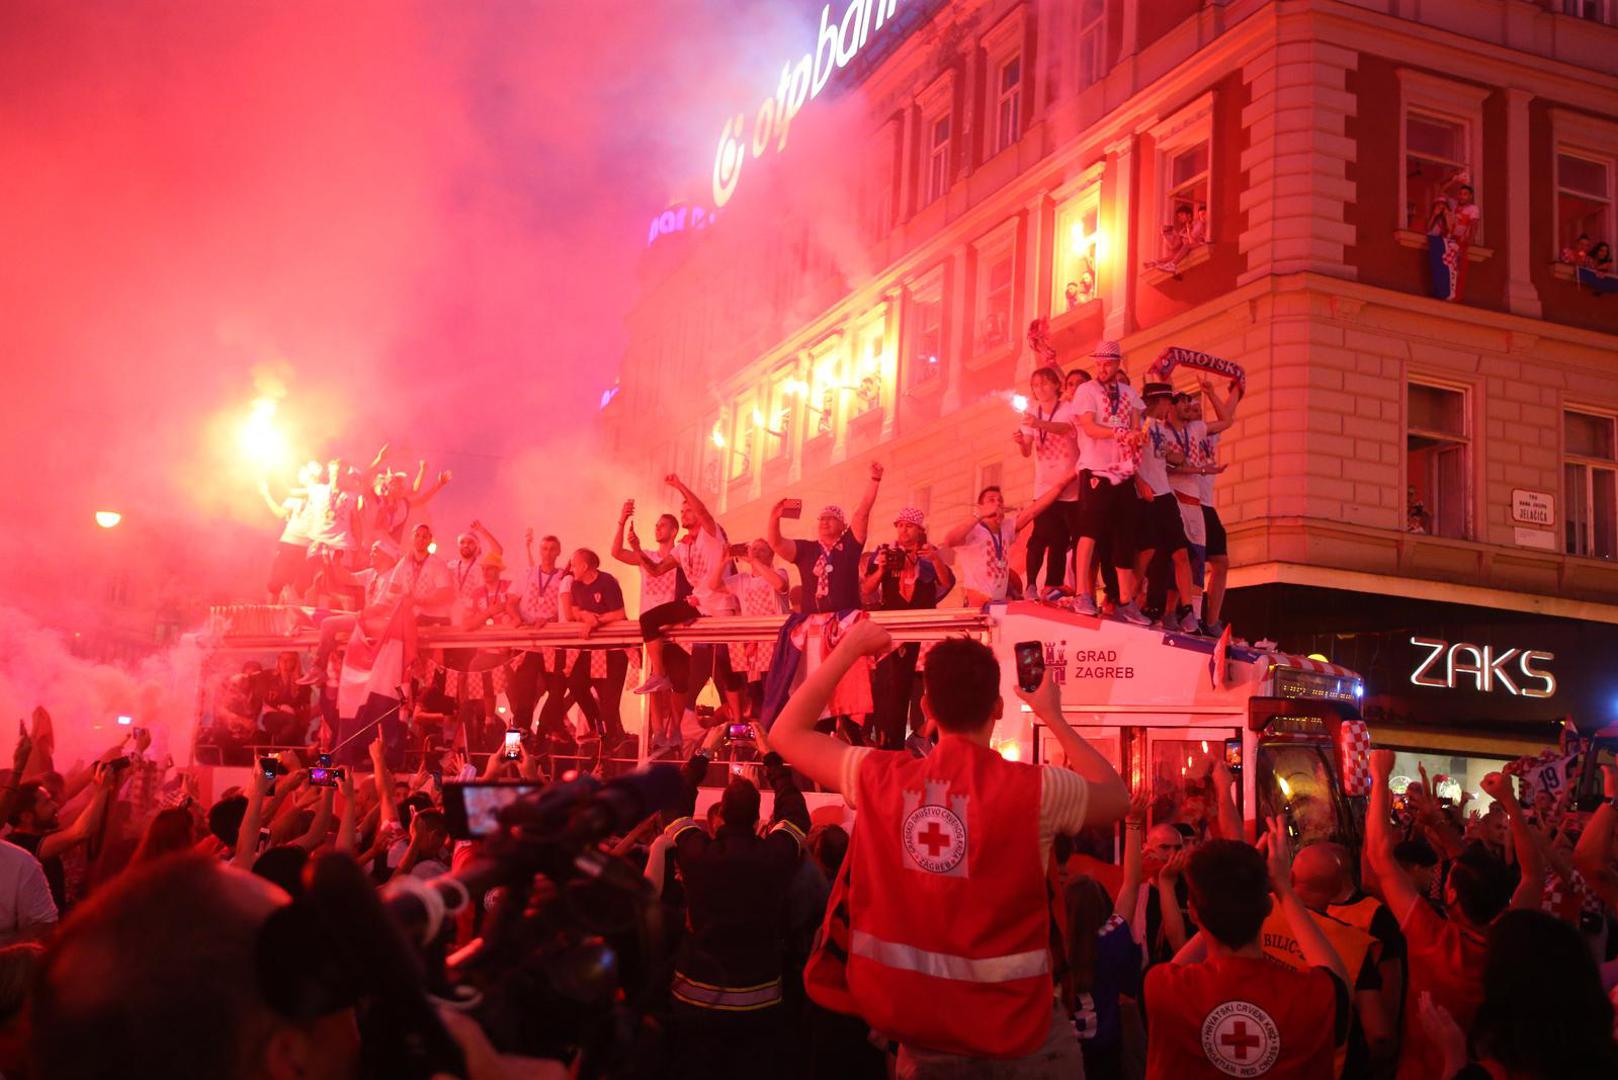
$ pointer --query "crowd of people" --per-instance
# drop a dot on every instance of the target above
(1120, 522)
(953, 914)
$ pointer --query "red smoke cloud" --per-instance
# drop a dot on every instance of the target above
(423, 219)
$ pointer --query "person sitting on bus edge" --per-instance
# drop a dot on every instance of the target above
(829, 565)
(983, 543)
(961, 878)
(1222, 1002)
(1446, 954)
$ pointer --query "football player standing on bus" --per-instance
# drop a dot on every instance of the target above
(1108, 413)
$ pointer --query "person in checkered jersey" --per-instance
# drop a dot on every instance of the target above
(1049, 434)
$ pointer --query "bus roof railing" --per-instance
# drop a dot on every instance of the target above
(269, 627)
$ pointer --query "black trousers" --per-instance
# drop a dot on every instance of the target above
(893, 680)
(601, 700)
(528, 684)
(1050, 542)
(708, 1043)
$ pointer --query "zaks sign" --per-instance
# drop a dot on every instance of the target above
(1453, 665)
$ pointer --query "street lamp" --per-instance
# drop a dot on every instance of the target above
(108, 518)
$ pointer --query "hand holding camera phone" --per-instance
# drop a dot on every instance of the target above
(792, 508)
(1030, 665)
(513, 745)
(322, 774)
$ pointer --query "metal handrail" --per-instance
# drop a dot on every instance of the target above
(918, 625)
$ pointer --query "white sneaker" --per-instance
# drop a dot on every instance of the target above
(1085, 605)
(1131, 613)
(654, 683)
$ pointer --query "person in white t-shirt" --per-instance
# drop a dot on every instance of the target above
(372, 582)
(423, 577)
(1049, 435)
(1108, 413)
(465, 569)
(27, 909)
(661, 582)
(703, 555)
(292, 568)
(1161, 528)
(982, 545)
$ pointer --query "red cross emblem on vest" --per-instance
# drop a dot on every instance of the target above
(933, 832)
(1240, 1039)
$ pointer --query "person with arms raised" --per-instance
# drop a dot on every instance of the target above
(946, 892)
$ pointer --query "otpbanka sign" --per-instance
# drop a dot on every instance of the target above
(836, 44)
(1461, 664)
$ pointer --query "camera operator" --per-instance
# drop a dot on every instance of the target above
(905, 575)
(729, 1018)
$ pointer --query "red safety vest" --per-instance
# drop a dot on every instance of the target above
(949, 932)
(1239, 1016)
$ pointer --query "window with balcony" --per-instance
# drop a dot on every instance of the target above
(1437, 461)
(938, 140)
(870, 366)
(825, 385)
(1440, 150)
(774, 420)
(1092, 41)
(1008, 110)
(1183, 184)
(1590, 484)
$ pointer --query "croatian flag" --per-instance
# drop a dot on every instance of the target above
(1447, 261)
(374, 662)
(804, 641)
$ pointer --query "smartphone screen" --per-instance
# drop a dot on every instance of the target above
(513, 749)
(738, 731)
(324, 776)
(472, 810)
(739, 550)
(1233, 754)
(1030, 665)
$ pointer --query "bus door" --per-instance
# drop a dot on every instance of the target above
(1177, 763)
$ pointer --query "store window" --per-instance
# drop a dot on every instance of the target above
(1590, 484)
(1008, 111)
(1092, 41)
(938, 141)
(1437, 456)
(1454, 779)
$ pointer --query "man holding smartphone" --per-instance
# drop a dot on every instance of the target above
(829, 565)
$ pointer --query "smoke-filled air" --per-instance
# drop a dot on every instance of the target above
(240, 237)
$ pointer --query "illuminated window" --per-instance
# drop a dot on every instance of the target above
(1584, 198)
(868, 388)
(938, 158)
(742, 440)
(1008, 121)
(774, 421)
(824, 386)
(1437, 461)
(1078, 244)
(1092, 41)
(1188, 182)
(994, 316)
(926, 350)
(1182, 179)
(1590, 485)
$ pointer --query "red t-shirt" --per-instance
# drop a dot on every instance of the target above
(1242, 1016)
(1444, 959)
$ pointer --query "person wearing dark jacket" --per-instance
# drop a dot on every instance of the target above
(728, 1013)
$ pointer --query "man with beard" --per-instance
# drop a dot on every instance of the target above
(36, 828)
(905, 575)
(829, 565)
(982, 545)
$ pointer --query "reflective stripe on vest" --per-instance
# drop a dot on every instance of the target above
(725, 998)
(988, 969)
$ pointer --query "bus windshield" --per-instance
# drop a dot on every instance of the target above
(1294, 781)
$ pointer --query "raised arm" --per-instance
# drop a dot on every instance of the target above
(861, 522)
(1317, 950)
(793, 736)
(783, 547)
(704, 518)
(1168, 900)
(1224, 408)
(619, 551)
(494, 545)
(346, 833)
(247, 834)
(88, 823)
(276, 508)
(1028, 513)
(1123, 905)
(1593, 856)
(1530, 892)
(315, 835)
(1398, 891)
(389, 814)
(1109, 798)
(418, 497)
